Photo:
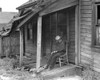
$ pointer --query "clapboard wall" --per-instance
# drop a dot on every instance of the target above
(89, 55)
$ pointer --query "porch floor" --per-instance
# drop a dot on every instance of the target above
(68, 70)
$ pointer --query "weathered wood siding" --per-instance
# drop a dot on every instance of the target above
(6, 46)
(10, 44)
(0, 45)
(89, 55)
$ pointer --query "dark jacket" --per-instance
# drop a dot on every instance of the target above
(60, 45)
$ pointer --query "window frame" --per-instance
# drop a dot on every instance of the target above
(95, 24)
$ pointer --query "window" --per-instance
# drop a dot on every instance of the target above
(29, 32)
(97, 25)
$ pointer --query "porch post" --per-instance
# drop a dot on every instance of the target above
(77, 36)
(21, 47)
(39, 36)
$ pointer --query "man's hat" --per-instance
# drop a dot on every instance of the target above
(57, 37)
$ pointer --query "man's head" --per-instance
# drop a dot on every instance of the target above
(58, 38)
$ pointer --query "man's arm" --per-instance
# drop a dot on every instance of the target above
(53, 52)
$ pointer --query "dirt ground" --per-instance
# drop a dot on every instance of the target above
(8, 72)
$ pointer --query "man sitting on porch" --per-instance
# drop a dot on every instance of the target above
(60, 49)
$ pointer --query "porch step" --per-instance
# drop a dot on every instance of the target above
(67, 70)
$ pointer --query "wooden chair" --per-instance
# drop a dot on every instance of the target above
(63, 60)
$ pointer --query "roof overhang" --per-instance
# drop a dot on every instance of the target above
(11, 24)
(27, 4)
(21, 17)
(29, 17)
(59, 5)
(55, 6)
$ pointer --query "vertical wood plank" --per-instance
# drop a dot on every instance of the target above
(39, 33)
(67, 42)
(79, 50)
(77, 34)
(51, 42)
(24, 41)
(9, 45)
(94, 22)
(21, 47)
(0, 45)
(56, 23)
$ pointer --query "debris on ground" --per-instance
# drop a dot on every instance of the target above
(89, 74)
(8, 71)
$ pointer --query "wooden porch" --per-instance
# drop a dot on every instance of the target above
(63, 22)
(69, 70)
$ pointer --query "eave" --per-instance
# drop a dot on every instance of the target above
(27, 4)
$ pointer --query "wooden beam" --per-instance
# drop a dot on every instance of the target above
(77, 34)
(67, 43)
(39, 34)
(1, 46)
(59, 5)
(21, 46)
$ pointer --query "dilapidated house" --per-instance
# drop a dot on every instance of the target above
(38, 33)
(77, 20)
(10, 37)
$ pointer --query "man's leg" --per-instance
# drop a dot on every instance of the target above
(53, 61)
(50, 60)
(54, 58)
